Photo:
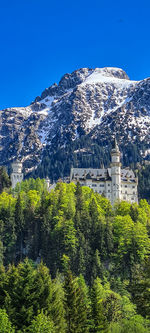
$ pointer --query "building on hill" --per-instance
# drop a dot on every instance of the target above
(17, 175)
(114, 183)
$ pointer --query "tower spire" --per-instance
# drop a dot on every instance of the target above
(115, 146)
(115, 172)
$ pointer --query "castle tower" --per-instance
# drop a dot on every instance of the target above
(115, 173)
(47, 180)
(17, 175)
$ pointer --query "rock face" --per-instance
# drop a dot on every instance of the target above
(89, 105)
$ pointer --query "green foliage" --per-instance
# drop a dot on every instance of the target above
(41, 324)
(75, 304)
(134, 325)
(75, 222)
(31, 184)
(58, 308)
(28, 290)
(5, 324)
(35, 303)
(98, 257)
(4, 179)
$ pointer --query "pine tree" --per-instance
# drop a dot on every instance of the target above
(29, 290)
(41, 324)
(70, 302)
(97, 268)
(19, 225)
(79, 197)
(4, 179)
(3, 282)
(140, 288)
(5, 324)
(76, 315)
(97, 295)
(57, 308)
(85, 308)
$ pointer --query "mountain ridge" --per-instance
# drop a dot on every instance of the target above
(87, 105)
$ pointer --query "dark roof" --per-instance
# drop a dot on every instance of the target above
(101, 174)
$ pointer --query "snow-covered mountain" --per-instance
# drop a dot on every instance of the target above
(89, 105)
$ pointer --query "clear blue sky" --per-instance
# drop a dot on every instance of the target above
(40, 40)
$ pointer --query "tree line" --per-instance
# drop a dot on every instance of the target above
(30, 301)
(88, 262)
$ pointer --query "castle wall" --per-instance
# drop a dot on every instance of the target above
(17, 175)
(129, 192)
(16, 178)
(115, 183)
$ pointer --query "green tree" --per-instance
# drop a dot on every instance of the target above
(140, 288)
(123, 242)
(8, 236)
(76, 315)
(85, 308)
(41, 324)
(5, 324)
(97, 267)
(19, 226)
(28, 290)
(57, 308)
(134, 325)
(4, 179)
(98, 294)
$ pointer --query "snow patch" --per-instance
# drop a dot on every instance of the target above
(25, 111)
(105, 81)
(99, 76)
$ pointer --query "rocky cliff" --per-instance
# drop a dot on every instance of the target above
(74, 123)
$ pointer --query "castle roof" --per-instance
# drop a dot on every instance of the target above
(101, 174)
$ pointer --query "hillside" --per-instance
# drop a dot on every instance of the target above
(88, 263)
(74, 123)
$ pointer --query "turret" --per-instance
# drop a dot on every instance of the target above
(17, 175)
(47, 180)
(115, 172)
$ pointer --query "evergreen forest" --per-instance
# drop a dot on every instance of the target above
(70, 262)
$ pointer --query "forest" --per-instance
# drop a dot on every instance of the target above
(72, 263)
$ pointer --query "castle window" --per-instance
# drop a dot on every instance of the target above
(125, 192)
(108, 190)
(125, 185)
(133, 186)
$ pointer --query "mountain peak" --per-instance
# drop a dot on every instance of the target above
(112, 72)
(84, 75)
(88, 103)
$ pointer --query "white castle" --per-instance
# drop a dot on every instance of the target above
(17, 175)
(114, 183)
